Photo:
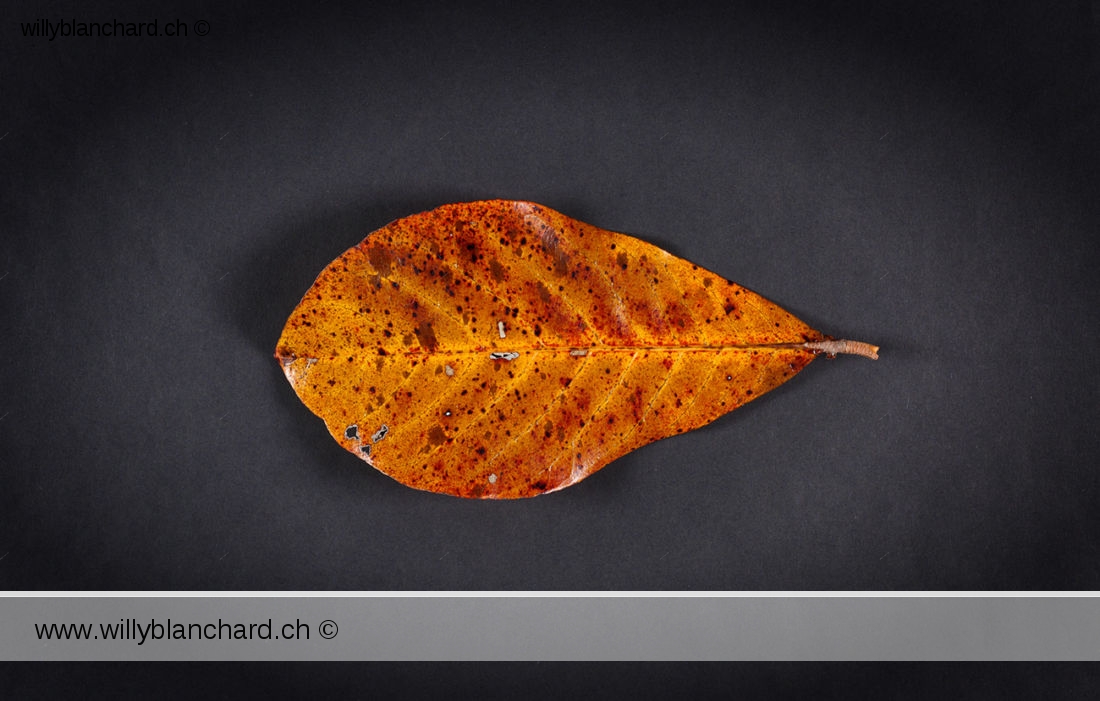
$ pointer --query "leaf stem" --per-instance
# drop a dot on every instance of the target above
(832, 348)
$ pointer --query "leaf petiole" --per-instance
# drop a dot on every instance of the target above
(832, 348)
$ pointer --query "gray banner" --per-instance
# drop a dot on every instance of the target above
(551, 628)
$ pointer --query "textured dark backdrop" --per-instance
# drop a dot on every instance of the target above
(648, 680)
(922, 176)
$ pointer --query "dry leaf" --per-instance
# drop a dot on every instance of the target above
(501, 349)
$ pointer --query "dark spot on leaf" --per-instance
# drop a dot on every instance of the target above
(426, 336)
(381, 258)
(436, 435)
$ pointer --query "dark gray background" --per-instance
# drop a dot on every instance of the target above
(921, 176)
(536, 680)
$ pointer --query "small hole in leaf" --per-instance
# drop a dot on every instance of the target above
(351, 432)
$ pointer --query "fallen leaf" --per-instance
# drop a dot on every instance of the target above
(502, 350)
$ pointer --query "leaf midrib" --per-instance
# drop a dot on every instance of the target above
(485, 350)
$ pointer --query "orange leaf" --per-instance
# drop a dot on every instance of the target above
(501, 349)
